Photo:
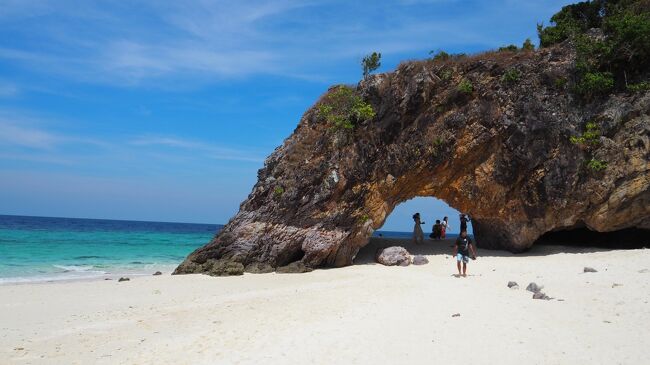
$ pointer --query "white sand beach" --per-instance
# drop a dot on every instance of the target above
(363, 314)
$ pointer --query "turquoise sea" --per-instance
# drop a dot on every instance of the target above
(34, 249)
(50, 249)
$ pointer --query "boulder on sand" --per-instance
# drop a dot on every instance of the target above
(513, 285)
(394, 256)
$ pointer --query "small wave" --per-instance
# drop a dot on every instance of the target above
(75, 268)
(87, 257)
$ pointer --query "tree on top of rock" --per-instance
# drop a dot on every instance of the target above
(370, 63)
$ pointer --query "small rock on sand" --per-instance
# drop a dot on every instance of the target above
(540, 295)
(157, 273)
(123, 279)
(420, 260)
(456, 315)
(643, 271)
(589, 269)
(513, 285)
(533, 287)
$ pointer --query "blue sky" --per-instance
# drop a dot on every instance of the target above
(165, 110)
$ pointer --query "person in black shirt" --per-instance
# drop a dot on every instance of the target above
(463, 222)
(436, 231)
(462, 250)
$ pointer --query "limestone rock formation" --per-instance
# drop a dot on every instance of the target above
(393, 256)
(500, 150)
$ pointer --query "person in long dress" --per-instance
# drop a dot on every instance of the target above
(418, 235)
(445, 227)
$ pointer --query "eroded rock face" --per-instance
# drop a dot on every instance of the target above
(501, 153)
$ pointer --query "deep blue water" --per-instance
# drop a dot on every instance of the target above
(47, 249)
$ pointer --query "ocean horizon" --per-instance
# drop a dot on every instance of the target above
(42, 249)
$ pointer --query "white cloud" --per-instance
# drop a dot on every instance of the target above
(13, 134)
(28, 138)
(207, 150)
(132, 43)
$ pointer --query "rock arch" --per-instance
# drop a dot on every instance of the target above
(501, 152)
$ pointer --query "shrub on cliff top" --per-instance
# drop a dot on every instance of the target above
(624, 49)
(343, 109)
(444, 56)
(370, 63)
(508, 48)
(528, 45)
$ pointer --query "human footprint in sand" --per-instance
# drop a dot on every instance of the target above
(462, 249)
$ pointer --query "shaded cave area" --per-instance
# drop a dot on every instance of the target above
(582, 236)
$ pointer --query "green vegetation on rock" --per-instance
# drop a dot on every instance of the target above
(596, 165)
(341, 108)
(278, 191)
(595, 83)
(509, 48)
(511, 76)
(641, 86)
(590, 136)
(444, 56)
(370, 63)
(528, 45)
(609, 58)
(465, 87)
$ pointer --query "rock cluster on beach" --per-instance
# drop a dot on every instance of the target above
(501, 151)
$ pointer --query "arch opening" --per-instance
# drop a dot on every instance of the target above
(397, 229)
(399, 223)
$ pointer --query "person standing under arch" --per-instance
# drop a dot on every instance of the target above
(418, 235)
(463, 222)
(445, 226)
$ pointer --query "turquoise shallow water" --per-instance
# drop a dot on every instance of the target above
(36, 249)
(44, 249)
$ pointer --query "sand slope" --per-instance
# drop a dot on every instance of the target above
(364, 314)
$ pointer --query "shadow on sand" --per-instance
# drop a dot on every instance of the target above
(366, 255)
